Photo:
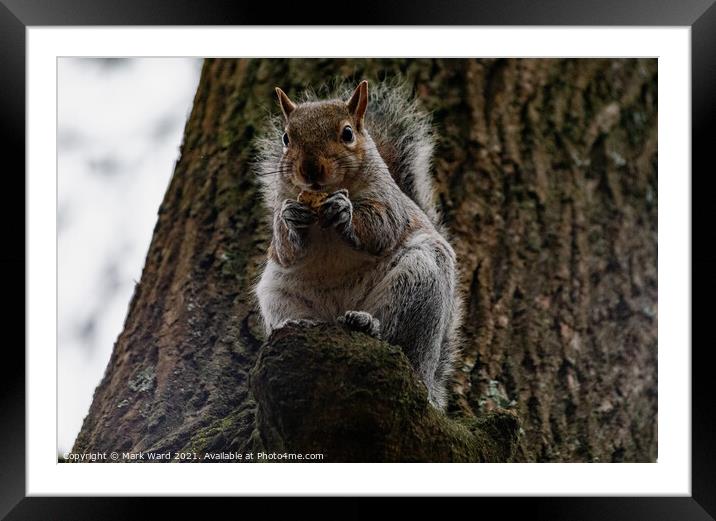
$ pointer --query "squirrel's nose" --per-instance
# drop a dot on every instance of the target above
(312, 170)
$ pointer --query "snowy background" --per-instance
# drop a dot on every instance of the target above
(119, 127)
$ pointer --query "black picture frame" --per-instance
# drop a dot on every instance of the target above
(16, 15)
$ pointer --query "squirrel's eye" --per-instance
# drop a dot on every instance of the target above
(347, 134)
(285, 139)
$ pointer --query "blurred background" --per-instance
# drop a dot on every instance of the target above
(119, 128)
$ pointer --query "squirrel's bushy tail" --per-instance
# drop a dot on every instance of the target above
(403, 135)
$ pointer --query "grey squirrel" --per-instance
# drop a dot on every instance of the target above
(356, 237)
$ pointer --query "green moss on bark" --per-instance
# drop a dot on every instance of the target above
(354, 398)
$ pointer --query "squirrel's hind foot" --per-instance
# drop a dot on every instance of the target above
(361, 321)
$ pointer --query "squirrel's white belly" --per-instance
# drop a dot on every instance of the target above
(331, 279)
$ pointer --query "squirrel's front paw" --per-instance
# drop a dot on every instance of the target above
(297, 216)
(337, 211)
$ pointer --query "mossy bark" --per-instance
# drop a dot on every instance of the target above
(546, 176)
(350, 398)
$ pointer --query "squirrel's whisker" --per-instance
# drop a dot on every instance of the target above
(282, 171)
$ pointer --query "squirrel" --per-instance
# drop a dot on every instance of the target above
(362, 244)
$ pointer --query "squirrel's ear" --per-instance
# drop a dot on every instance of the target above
(287, 106)
(358, 103)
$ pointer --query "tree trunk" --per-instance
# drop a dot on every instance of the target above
(546, 177)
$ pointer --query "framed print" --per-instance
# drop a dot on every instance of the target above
(422, 254)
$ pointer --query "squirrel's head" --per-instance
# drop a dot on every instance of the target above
(324, 141)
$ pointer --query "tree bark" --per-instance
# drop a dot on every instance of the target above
(546, 177)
